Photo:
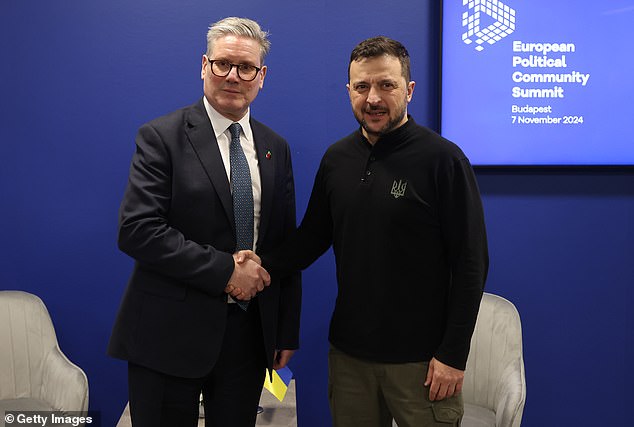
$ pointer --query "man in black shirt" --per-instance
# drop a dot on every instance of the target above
(401, 207)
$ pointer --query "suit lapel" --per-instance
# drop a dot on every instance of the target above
(267, 176)
(201, 136)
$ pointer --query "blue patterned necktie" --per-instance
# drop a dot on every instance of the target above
(242, 195)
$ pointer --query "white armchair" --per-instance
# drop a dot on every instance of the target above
(494, 389)
(34, 373)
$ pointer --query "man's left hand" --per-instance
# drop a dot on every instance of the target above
(443, 380)
(281, 358)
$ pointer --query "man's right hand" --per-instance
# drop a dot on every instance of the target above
(245, 254)
(248, 278)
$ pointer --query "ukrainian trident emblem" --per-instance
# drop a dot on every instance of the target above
(398, 188)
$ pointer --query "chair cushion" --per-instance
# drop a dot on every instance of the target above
(30, 405)
(24, 405)
(477, 416)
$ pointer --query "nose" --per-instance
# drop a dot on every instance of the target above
(233, 74)
(373, 96)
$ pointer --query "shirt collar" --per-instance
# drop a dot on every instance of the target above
(393, 138)
(220, 123)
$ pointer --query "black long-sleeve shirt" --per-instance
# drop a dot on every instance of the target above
(405, 219)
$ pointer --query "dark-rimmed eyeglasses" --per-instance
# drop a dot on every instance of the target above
(222, 68)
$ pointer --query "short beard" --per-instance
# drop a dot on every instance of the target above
(389, 126)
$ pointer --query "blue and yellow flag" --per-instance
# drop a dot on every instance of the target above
(279, 385)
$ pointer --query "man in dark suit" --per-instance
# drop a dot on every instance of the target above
(183, 217)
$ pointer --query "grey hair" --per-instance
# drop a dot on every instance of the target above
(238, 27)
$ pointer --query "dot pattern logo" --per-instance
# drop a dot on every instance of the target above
(478, 10)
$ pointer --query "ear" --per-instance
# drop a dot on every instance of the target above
(410, 90)
(262, 75)
(202, 68)
(348, 88)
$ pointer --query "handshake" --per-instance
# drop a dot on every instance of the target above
(248, 278)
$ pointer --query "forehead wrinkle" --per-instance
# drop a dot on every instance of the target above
(371, 79)
(236, 48)
(381, 67)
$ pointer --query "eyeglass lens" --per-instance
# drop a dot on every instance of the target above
(223, 68)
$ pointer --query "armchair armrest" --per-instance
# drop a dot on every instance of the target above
(510, 396)
(64, 384)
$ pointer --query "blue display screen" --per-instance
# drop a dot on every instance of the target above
(539, 82)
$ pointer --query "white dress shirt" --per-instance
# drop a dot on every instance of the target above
(221, 125)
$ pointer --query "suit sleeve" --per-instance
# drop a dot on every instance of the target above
(465, 241)
(145, 232)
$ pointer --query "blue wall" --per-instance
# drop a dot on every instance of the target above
(562, 246)
(77, 79)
